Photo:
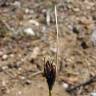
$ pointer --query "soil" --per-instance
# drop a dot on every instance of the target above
(22, 53)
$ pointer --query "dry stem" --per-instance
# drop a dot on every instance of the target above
(57, 37)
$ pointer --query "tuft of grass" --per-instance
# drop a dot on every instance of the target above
(50, 74)
(49, 66)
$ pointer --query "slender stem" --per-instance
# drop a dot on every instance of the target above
(57, 37)
(50, 94)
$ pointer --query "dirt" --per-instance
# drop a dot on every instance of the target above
(22, 53)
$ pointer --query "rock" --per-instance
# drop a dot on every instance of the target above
(35, 53)
(1, 53)
(76, 9)
(84, 45)
(4, 83)
(27, 11)
(29, 31)
(7, 91)
(12, 55)
(16, 66)
(4, 67)
(22, 78)
(34, 22)
(19, 93)
(4, 57)
(3, 90)
(93, 94)
(75, 30)
(10, 66)
(28, 82)
(53, 49)
(93, 37)
(88, 4)
(65, 85)
(87, 22)
(17, 4)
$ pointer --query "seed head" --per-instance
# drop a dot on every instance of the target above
(50, 73)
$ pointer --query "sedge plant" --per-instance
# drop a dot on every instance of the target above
(50, 74)
(49, 66)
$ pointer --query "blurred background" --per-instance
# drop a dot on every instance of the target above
(28, 34)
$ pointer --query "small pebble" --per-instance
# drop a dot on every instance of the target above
(93, 94)
(10, 66)
(53, 49)
(4, 57)
(75, 30)
(16, 66)
(19, 68)
(65, 85)
(93, 37)
(34, 22)
(4, 83)
(4, 67)
(3, 90)
(28, 82)
(17, 4)
(7, 91)
(35, 53)
(19, 93)
(22, 78)
(12, 55)
(1, 53)
(29, 31)
(27, 11)
(76, 9)
(84, 45)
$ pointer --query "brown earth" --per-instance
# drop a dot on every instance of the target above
(22, 55)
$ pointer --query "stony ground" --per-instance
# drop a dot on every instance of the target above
(28, 34)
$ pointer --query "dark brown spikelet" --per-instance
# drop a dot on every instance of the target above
(50, 73)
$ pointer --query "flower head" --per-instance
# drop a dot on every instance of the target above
(50, 73)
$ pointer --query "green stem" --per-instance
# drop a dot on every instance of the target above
(50, 94)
